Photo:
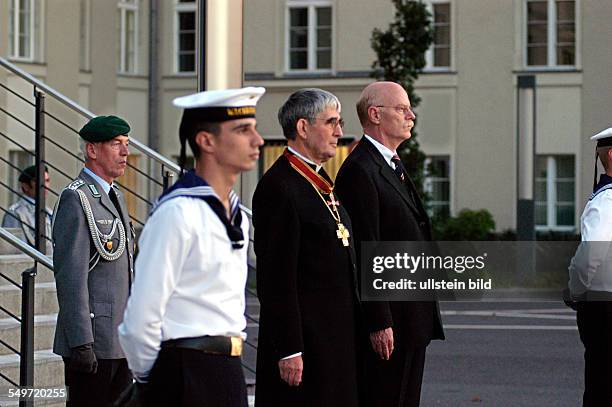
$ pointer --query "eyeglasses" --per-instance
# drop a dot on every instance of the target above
(332, 122)
(400, 109)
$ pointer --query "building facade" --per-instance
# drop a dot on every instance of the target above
(468, 119)
(132, 57)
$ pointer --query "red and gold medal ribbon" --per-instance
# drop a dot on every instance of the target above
(322, 186)
(307, 172)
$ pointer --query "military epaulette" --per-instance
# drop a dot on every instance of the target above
(76, 184)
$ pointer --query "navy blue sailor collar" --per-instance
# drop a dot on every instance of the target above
(193, 186)
(605, 183)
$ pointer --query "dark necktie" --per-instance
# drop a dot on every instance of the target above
(399, 169)
(401, 173)
(115, 200)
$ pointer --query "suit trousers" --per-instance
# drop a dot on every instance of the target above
(594, 320)
(100, 389)
(192, 378)
(395, 382)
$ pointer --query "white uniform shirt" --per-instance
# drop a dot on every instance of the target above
(591, 267)
(189, 282)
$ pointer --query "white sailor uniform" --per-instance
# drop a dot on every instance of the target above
(189, 284)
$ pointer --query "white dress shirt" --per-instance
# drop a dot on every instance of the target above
(591, 267)
(189, 282)
(386, 152)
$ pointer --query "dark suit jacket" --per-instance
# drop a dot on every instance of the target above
(307, 289)
(91, 303)
(382, 209)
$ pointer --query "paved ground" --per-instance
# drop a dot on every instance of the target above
(502, 354)
(505, 354)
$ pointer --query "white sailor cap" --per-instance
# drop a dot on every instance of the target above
(214, 106)
(222, 105)
(603, 138)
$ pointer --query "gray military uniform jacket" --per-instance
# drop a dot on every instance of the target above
(92, 292)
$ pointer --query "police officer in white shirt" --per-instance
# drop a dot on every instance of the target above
(182, 331)
(590, 281)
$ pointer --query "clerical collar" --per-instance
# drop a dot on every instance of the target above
(103, 184)
(308, 161)
(384, 150)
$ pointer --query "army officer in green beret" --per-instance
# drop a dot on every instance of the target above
(93, 247)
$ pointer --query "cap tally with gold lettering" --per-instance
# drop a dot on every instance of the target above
(215, 106)
(604, 140)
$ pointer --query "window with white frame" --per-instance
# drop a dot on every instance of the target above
(551, 33)
(128, 36)
(438, 56)
(22, 29)
(309, 35)
(555, 202)
(437, 185)
(185, 42)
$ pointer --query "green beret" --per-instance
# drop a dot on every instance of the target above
(104, 128)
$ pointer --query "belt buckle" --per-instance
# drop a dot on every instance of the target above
(236, 346)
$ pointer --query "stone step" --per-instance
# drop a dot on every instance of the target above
(48, 369)
(44, 331)
(45, 298)
(12, 265)
(6, 247)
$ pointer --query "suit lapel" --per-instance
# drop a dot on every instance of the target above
(387, 173)
(103, 199)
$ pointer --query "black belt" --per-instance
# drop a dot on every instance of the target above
(217, 345)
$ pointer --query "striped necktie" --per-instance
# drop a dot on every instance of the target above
(399, 169)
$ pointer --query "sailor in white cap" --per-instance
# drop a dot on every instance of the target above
(590, 281)
(182, 332)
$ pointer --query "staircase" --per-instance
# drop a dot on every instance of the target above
(48, 367)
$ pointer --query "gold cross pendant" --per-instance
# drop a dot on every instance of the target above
(343, 234)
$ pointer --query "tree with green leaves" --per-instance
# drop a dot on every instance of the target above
(400, 51)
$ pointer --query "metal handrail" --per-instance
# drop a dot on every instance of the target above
(79, 109)
(26, 248)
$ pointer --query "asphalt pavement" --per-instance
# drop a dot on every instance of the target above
(505, 355)
(496, 354)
